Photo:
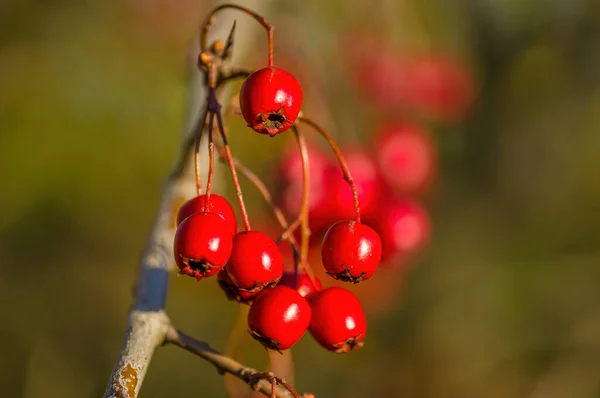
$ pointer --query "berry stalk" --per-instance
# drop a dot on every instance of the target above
(304, 207)
(340, 158)
(236, 183)
(197, 139)
(211, 161)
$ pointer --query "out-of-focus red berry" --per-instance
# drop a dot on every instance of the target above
(367, 180)
(288, 192)
(435, 84)
(403, 225)
(407, 157)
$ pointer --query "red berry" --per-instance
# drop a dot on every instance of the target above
(278, 317)
(270, 100)
(351, 251)
(366, 179)
(338, 321)
(403, 225)
(434, 84)
(407, 158)
(438, 85)
(202, 246)
(255, 262)
(218, 205)
(305, 287)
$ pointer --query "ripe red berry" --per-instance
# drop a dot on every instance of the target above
(218, 205)
(407, 158)
(202, 246)
(338, 321)
(403, 225)
(351, 251)
(255, 262)
(278, 317)
(305, 287)
(270, 100)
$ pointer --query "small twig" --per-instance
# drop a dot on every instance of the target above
(224, 364)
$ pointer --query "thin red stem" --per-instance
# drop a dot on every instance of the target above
(340, 158)
(210, 20)
(304, 208)
(211, 161)
(236, 183)
(197, 139)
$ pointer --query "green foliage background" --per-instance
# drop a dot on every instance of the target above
(505, 303)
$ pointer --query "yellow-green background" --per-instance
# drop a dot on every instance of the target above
(505, 303)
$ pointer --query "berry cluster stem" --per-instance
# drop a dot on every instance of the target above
(340, 158)
(197, 139)
(304, 207)
(211, 161)
(259, 18)
(231, 164)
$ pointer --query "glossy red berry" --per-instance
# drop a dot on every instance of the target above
(270, 100)
(278, 317)
(255, 262)
(218, 205)
(304, 286)
(351, 251)
(403, 225)
(338, 320)
(202, 246)
(407, 157)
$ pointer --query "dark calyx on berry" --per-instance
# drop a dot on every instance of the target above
(265, 341)
(346, 276)
(353, 343)
(271, 122)
(198, 268)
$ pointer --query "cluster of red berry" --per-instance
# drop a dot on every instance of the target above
(249, 264)
(359, 208)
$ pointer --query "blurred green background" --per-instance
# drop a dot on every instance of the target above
(505, 302)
